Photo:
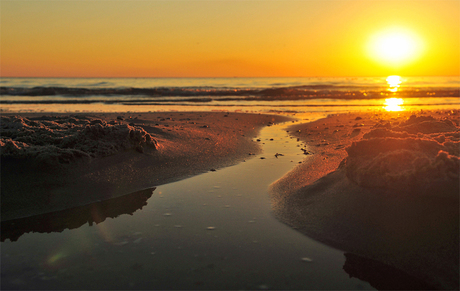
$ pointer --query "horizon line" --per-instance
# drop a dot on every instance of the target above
(219, 77)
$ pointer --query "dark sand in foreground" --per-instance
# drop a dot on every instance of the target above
(381, 185)
(150, 149)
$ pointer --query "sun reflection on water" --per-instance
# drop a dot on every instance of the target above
(393, 83)
(393, 104)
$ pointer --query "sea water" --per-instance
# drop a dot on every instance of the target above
(280, 95)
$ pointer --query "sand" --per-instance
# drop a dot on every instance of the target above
(381, 185)
(51, 163)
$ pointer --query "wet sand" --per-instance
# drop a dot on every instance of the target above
(151, 149)
(381, 185)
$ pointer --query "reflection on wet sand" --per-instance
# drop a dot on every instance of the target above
(393, 104)
(381, 276)
(76, 217)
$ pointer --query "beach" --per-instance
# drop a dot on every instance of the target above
(347, 192)
(202, 177)
(230, 145)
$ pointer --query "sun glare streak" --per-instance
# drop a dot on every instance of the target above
(98, 218)
(56, 257)
(394, 104)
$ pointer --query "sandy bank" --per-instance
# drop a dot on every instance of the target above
(51, 163)
(382, 185)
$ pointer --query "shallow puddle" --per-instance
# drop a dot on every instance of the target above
(211, 231)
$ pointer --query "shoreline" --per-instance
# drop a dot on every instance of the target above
(360, 190)
(188, 144)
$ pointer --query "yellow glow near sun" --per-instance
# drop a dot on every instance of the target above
(395, 46)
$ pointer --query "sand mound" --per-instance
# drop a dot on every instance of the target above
(419, 155)
(63, 139)
(393, 199)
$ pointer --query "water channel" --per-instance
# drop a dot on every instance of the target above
(211, 231)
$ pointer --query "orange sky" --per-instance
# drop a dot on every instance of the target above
(223, 38)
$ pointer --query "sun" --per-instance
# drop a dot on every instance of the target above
(394, 46)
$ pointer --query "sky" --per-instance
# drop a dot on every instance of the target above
(229, 38)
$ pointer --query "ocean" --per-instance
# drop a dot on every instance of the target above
(264, 95)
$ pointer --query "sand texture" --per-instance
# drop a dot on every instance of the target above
(51, 163)
(381, 185)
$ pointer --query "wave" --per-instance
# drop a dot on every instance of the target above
(313, 91)
(97, 84)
